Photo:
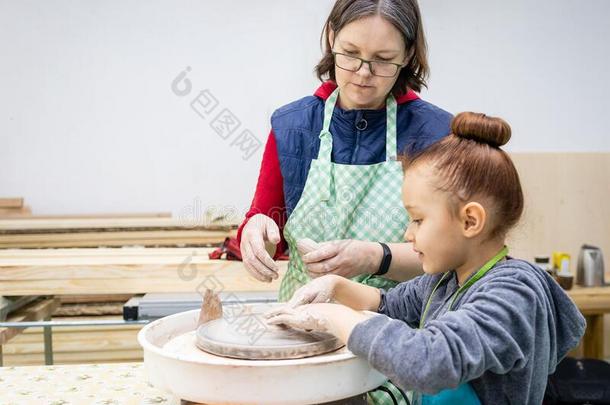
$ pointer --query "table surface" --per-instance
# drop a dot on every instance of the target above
(108, 384)
(591, 300)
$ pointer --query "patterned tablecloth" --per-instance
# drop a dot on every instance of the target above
(95, 384)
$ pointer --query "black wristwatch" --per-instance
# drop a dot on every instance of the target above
(385, 261)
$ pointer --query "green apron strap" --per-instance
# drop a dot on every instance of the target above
(391, 147)
(326, 138)
(480, 273)
(326, 146)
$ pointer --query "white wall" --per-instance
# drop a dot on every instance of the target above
(89, 122)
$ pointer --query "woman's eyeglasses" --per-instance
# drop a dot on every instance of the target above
(377, 67)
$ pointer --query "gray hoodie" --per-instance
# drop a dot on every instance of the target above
(504, 335)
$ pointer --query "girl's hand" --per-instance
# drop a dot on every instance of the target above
(320, 290)
(348, 258)
(310, 318)
(259, 230)
(335, 319)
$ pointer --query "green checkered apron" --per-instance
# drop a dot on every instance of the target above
(343, 202)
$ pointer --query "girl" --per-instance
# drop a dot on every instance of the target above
(479, 326)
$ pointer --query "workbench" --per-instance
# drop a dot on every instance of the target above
(594, 303)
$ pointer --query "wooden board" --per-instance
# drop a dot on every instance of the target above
(106, 215)
(21, 212)
(14, 202)
(111, 308)
(87, 299)
(110, 223)
(116, 239)
(122, 271)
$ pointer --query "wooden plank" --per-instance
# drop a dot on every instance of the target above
(93, 309)
(126, 272)
(33, 312)
(122, 271)
(77, 224)
(101, 252)
(85, 299)
(24, 211)
(115, 239)
(238, 280)
(106, 215)
(13, 202)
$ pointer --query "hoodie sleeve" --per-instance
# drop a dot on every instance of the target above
(494, 330)
(405, 301)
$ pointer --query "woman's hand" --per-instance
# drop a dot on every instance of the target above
(259, 230)
(348, 258)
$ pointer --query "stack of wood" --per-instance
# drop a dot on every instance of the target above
(76, 277)
(14, 208)
(112, 231)
(91, 264)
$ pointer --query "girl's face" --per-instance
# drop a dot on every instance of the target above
(436, 234)
(369, 38)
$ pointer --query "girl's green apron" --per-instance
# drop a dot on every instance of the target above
(343, 202)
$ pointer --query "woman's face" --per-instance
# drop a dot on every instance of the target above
(369, 38)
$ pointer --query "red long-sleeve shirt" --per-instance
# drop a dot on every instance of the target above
(269, 195)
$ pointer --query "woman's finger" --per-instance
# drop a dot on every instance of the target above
(306, 245)
(258, 269)
(257, 245)
(325, 267)
(272, 232)
(247, 258)
(324, 252)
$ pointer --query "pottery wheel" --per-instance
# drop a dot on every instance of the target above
(247, 336)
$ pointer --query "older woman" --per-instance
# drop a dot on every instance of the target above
(329, 171)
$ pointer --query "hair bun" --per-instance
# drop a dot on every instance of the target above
(479, 127)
